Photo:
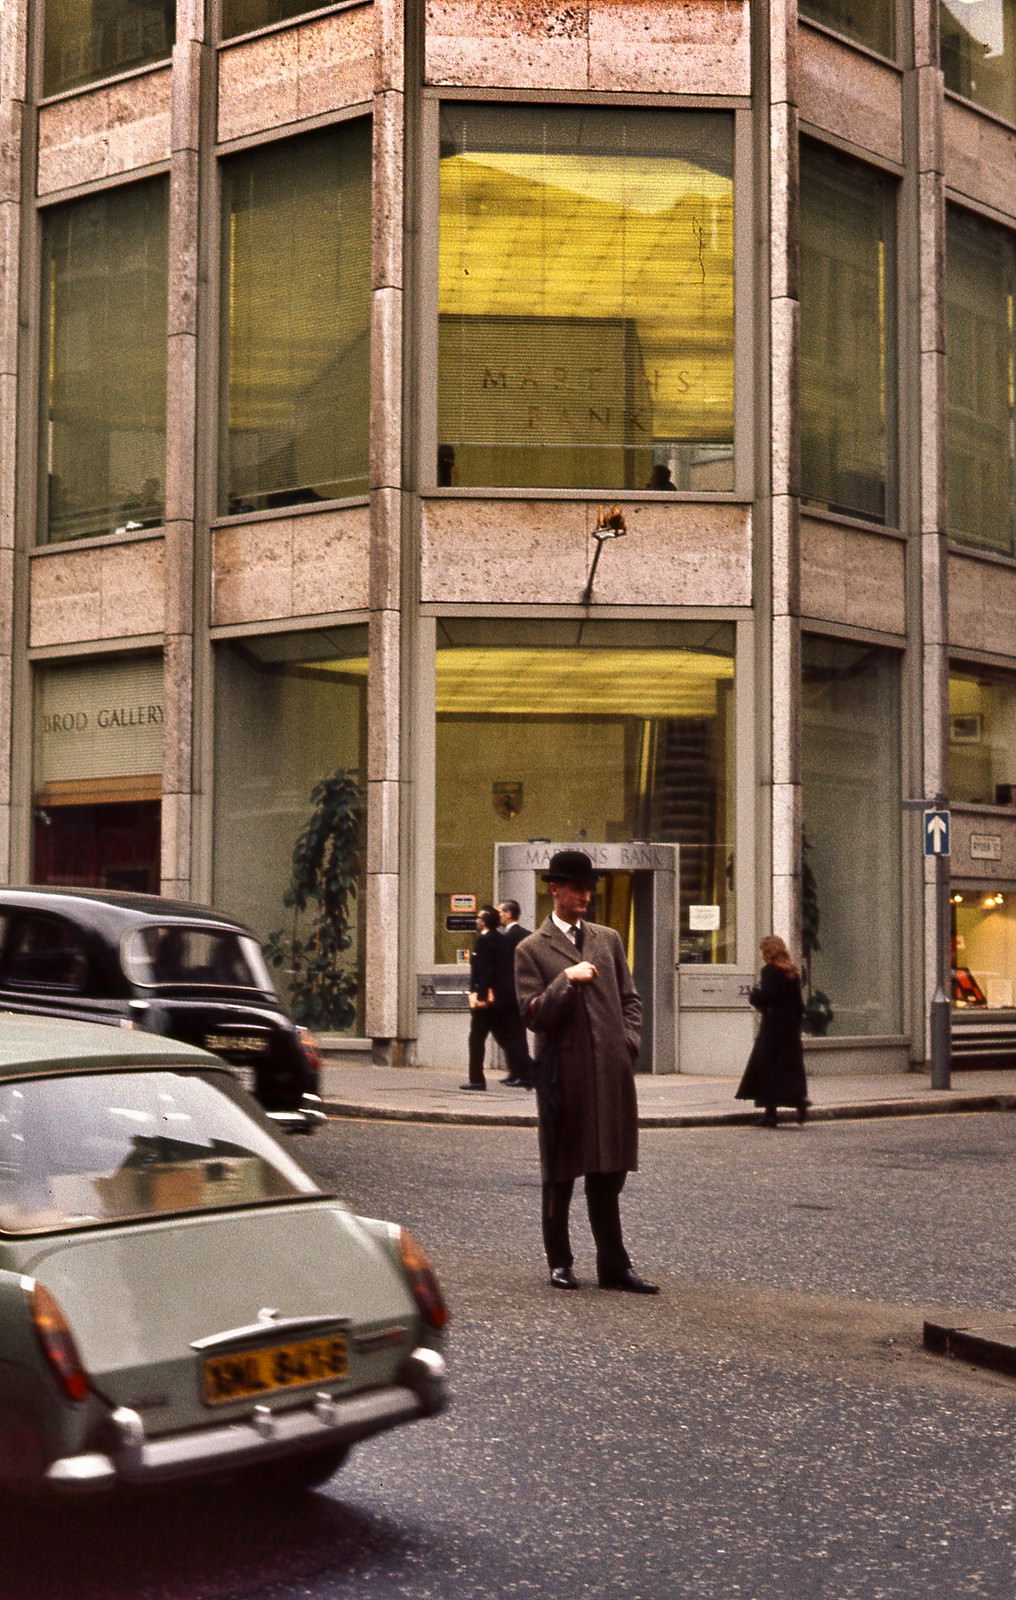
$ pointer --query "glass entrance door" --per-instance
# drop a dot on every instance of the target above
(637, 894)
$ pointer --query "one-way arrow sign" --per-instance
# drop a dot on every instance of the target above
(936, 833)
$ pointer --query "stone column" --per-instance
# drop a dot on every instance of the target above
(784, 684)
(388, 900)
(929, 571)
(181, 450)
(13, 97)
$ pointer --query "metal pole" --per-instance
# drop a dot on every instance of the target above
(941, 1005)
(587, 593)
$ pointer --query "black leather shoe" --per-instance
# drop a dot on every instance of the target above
(513, 1083)
(630, 1281)
(563, 1278)
(472, 1086)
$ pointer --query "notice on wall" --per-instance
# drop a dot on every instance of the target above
(703, 919)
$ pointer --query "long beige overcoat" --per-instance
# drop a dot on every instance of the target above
(587, 1043)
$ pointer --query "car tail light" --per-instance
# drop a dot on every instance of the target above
(422, 1281)
(311, 1051)
(57, 1343)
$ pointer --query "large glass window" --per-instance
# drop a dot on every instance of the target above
(848, 344)
(982, 736)
(586, 298)
(246, 16)
(978, 52)
(90, 39)
(104, 362)
(296, 295)
(594, 733)
(870, 22)
(981, 350)
(851, 930)
(290, 787)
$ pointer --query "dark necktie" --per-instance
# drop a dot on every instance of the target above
(580, 936)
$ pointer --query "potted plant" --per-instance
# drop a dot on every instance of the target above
(326, 869)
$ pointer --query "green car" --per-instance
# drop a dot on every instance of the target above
(179, 1296)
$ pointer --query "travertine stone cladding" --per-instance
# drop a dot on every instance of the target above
(108, 592)
(101, 133)
(853, 577)
(1000, 829)
(533, 552)
(980, 158)
(648, 46)
(291, 567)
(299, 72)
(845, 92)
(982, 604)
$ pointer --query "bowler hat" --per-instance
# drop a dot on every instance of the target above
(570, 866)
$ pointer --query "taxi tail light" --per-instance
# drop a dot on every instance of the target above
(311, 1051)
(422, 1281)
(57, 1343)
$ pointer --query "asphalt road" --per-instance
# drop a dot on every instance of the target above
(768, 1428)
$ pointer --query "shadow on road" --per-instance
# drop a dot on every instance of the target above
(207, 1543)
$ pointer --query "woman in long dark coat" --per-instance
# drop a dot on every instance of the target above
(775, 1073)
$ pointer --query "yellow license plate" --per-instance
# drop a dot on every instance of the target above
(248, 1374)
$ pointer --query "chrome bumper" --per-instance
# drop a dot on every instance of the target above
(325, 1420)
(307, 1118)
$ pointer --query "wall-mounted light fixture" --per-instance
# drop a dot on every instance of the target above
(610, 524)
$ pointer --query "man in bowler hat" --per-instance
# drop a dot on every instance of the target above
(577, 994)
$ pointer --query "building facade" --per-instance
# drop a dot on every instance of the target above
(436, 432)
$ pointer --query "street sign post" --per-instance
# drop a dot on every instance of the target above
(936, 833)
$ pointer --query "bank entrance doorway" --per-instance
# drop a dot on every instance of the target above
(637, 894)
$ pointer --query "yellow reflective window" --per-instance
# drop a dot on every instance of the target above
(870, 22)
(978, 52)
(981, 345)
(296, 293)
(104, 361)
(848, 339)
(586, 298)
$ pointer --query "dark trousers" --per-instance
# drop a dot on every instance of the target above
(603, 1196)
(506, 1026)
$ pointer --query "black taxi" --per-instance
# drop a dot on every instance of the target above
(166, 967)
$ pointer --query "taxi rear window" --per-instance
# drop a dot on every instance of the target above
(177, 956)
(45, 952)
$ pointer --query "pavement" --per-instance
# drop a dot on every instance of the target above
(356, 1088)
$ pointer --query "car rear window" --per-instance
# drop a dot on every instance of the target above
(82, 1149)
(176, 956)
(46, 953)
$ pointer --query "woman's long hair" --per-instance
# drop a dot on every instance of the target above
(489, 917)
(776, 954)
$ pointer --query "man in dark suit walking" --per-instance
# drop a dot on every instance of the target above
(512, 932)
(576, 992)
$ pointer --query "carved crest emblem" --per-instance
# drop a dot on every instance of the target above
(507, 798)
